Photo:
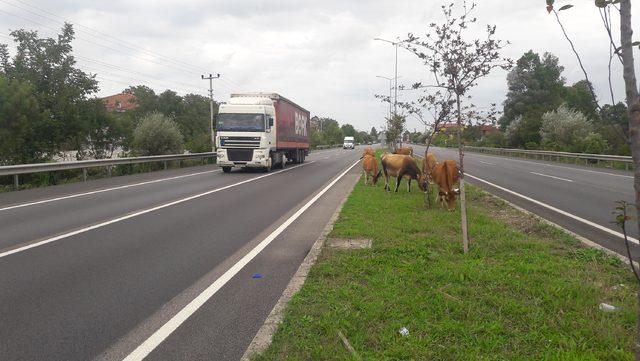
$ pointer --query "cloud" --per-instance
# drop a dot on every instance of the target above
(320, 54)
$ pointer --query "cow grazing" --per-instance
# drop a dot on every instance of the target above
(404, 151)
(445, 175)
(370, 169)
(368, 151)
(402, 166)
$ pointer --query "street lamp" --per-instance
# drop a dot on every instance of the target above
(390, 87)
(395, 101)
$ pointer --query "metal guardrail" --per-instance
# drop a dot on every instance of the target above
(16, 170)
(557, 156)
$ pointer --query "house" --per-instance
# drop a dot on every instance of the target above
(120, 102)
(488, 129)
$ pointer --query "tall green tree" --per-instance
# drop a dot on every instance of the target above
(59, 86)
(578, 97)
(536, 86)
(374, 134)
(23, 124)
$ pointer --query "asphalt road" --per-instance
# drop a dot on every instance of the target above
(103, 269)
(578, 198)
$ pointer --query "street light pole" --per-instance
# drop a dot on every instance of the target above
(213, 132)
(390, 91)
(395, 100)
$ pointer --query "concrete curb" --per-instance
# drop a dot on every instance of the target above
(264, 336)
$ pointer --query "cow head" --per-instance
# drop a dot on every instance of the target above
(423, 182)
(375, 177)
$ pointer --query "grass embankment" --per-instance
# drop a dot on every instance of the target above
(526, 291)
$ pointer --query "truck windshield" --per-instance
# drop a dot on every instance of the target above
(238, 122)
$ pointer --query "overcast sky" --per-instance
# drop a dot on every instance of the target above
(320, 54)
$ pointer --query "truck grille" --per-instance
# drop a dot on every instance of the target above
(240, 155)
(240, 142)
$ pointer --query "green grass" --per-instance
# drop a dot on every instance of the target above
(526, 291)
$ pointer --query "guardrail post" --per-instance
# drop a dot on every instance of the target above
(109, 171)
(165, 165)
(16, 181)
(84, 174)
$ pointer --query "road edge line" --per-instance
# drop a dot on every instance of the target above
(125, 217)
(557, 210)
(153, 341)
(264, 336)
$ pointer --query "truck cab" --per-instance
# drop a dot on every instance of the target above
(349, 143)
(248, 129)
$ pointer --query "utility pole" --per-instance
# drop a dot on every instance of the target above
(213, 132)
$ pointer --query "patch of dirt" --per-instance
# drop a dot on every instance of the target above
(346, 243)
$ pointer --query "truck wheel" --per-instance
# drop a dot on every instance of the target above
(283, 159)
(226, 169)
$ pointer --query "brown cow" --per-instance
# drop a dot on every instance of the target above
(445, 175)
(370, 168)
(404, 151)
(402, 166)
(368, 151)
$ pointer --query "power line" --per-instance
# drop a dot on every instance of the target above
(117, 41)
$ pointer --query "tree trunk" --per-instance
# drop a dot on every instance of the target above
(633, 103)
(463, 194)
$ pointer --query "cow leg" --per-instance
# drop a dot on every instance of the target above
(386, 183)
(366, 178)
(409, 185)
(398, 182)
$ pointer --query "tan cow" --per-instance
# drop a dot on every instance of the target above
(368, 151)
(370, 169)
(402, 166)
(445, 175)
(404, 151)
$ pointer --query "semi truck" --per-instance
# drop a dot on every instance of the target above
(261, 130)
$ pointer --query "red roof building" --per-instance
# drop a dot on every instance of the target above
(120, 102)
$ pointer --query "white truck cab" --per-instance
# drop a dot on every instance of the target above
(349, 143)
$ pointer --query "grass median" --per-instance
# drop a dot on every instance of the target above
(525, 291)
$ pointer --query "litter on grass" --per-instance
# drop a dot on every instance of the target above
(607, 307)
(404, 331)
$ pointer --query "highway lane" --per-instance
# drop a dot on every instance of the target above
(585, 192)
(67, 208)
(102, 292)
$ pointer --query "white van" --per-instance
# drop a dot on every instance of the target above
(349, 143)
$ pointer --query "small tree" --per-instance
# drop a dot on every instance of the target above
(457, 65)
(566, 128)
(157, 134)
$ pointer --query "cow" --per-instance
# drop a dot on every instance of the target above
(402, 166)
(368, 151)
(370, 169)
(445, 175)
(404, 151)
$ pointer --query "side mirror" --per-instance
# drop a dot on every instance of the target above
(215, 120)
(270, 121)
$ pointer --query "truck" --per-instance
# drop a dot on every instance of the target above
(349, 143)
(261, 130)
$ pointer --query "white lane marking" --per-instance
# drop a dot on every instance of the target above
(139, 213)
(547, 165)
(486, 163)
(550, 176)
(564, 213)
(105, 190)
(168, 328)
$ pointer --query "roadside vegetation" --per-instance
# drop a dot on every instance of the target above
(524, 291)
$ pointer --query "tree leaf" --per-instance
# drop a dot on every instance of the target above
(601, 3)
(566, 7)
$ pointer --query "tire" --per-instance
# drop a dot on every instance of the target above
(226, 169)
(282, 160)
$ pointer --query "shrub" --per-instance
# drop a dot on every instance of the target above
(157, 134)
